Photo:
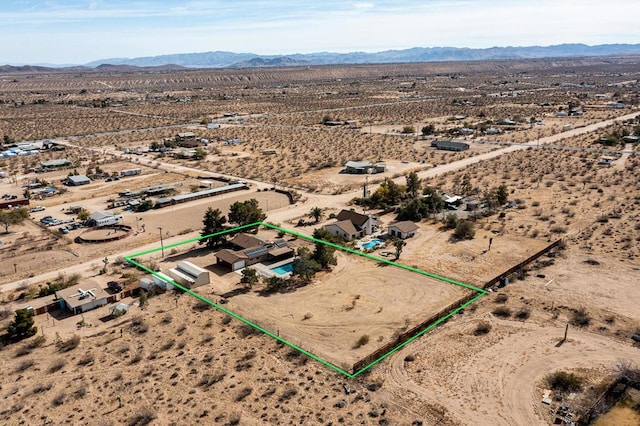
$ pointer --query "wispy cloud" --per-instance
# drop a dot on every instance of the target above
(90, 29)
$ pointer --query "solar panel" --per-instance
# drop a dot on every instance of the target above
(255, 252)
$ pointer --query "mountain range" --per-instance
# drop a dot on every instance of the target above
(220, 59)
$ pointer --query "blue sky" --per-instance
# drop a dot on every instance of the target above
(79, 31)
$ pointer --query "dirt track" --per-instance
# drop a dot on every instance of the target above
(498, 384)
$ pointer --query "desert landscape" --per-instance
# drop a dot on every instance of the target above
(532, 198)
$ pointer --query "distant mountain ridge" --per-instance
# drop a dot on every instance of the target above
(220, 59)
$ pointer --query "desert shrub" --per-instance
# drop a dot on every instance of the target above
(580, 318)
(142, 417)
(59, 399)
(363, 340)
(564, 382)
(409, 358)
(69, 344)
(464, 231)
(168, 345)
(136, 358)
(502, 312)
(40, 388)
(25, 365)
(57, 365)
(86, 359)
(226, 320)
(245, 392)
(201, 305)
(501, 298)
(558, 229)
(482, 328)
(23, 351)
(138, 325)
(523, 314)
(245, 330)
(288, 393)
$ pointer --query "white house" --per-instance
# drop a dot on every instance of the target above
(82, 297)
(403, 230)
(105, 219)
(344, 229)
(350, 225)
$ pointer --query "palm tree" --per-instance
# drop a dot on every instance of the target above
(316, 213)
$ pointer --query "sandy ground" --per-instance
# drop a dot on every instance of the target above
(358, 298)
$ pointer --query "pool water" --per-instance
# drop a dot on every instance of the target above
(283, 269)
(371, 244)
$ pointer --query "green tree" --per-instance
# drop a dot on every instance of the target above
(13, 217)
(415, 210)
(246, 212)
(413, 184)
(249, 277)
(275, 283)
(451, 221)
(502, 194)
(466, 187)
(304, 265)
(316, 214)
(213, 222)
(432, 199)
(27, 194)
(323, 253)
(427, 130)
(83, 215)
(22, 326)
(388, 193)
(399, 245)
(200, 153)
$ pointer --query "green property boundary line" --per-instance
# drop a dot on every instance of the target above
(481, 292)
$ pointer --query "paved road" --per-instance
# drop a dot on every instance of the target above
(302, 209)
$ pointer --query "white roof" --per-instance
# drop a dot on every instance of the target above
(358, 164)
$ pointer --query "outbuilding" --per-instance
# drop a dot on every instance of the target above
(189, 275)
(403, 230)
(77, 180)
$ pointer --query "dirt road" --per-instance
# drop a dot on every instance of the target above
(497, 385)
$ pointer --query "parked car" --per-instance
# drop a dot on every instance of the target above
(114, 286)
(64, 230)
(36, 209)
(46, 220)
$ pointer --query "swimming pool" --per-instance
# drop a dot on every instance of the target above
(371, 244)
(283, 269)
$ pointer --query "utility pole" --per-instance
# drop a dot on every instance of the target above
(161, 242)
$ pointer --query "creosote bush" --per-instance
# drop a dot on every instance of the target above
(502, 312)
(482, 328)
(564, 382)
(363, 340)
(580, 318)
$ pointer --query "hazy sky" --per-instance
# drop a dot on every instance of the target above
(79, 31)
